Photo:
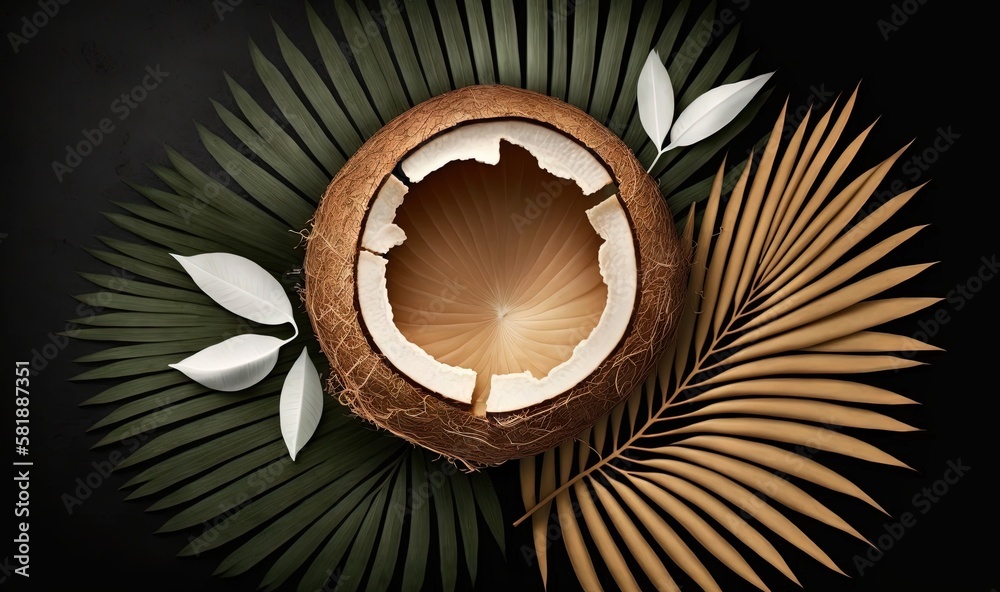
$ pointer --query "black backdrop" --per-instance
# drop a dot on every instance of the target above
(924, 68)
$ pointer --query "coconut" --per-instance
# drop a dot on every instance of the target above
(491, 273)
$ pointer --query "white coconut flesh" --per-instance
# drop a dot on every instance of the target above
(503, 275)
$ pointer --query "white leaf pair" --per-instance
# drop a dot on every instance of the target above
(706, 115)
(244, 288)
(241, 286)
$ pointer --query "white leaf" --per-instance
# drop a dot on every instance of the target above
(656, 99)
(234, 364)
(713, 110)
(301, 404)
(240, 286)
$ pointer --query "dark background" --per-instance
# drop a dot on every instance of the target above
(931, 72)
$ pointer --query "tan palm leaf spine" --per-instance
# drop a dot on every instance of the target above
(773, 310)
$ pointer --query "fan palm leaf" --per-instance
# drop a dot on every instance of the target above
(335, 513)
(772, 309)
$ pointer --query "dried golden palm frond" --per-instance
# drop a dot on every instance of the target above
(772, 312)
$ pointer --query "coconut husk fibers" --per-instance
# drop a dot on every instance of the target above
(365, 381)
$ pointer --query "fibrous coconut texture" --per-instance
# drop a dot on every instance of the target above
(491, 273)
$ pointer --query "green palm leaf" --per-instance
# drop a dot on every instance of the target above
(611, 60)
(537, 52)
(506, 46)
(373, 59)
(456, 43)
(146, 349)
(195, 217)
(392, 528)
(332, 554)
(626, 103)
(465, 508)
(560, 49)
(361, 547)
(151, 305)
(345, 83)
(581, 72)
(193, 461)
(321, 99)
(296, 113)
(432, 56)
(273, 194)
(131, 286)
(420, 526)
(407, 57)
(280, 150)
(335, 510)
(444, 510)
(482, 47)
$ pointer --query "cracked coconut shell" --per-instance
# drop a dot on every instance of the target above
(559, 319)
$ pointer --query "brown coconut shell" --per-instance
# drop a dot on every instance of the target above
(375, 391)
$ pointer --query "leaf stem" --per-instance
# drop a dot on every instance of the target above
(295, 326)
(658, 155)
(641, 433)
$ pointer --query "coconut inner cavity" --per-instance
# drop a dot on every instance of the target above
(498, 278)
